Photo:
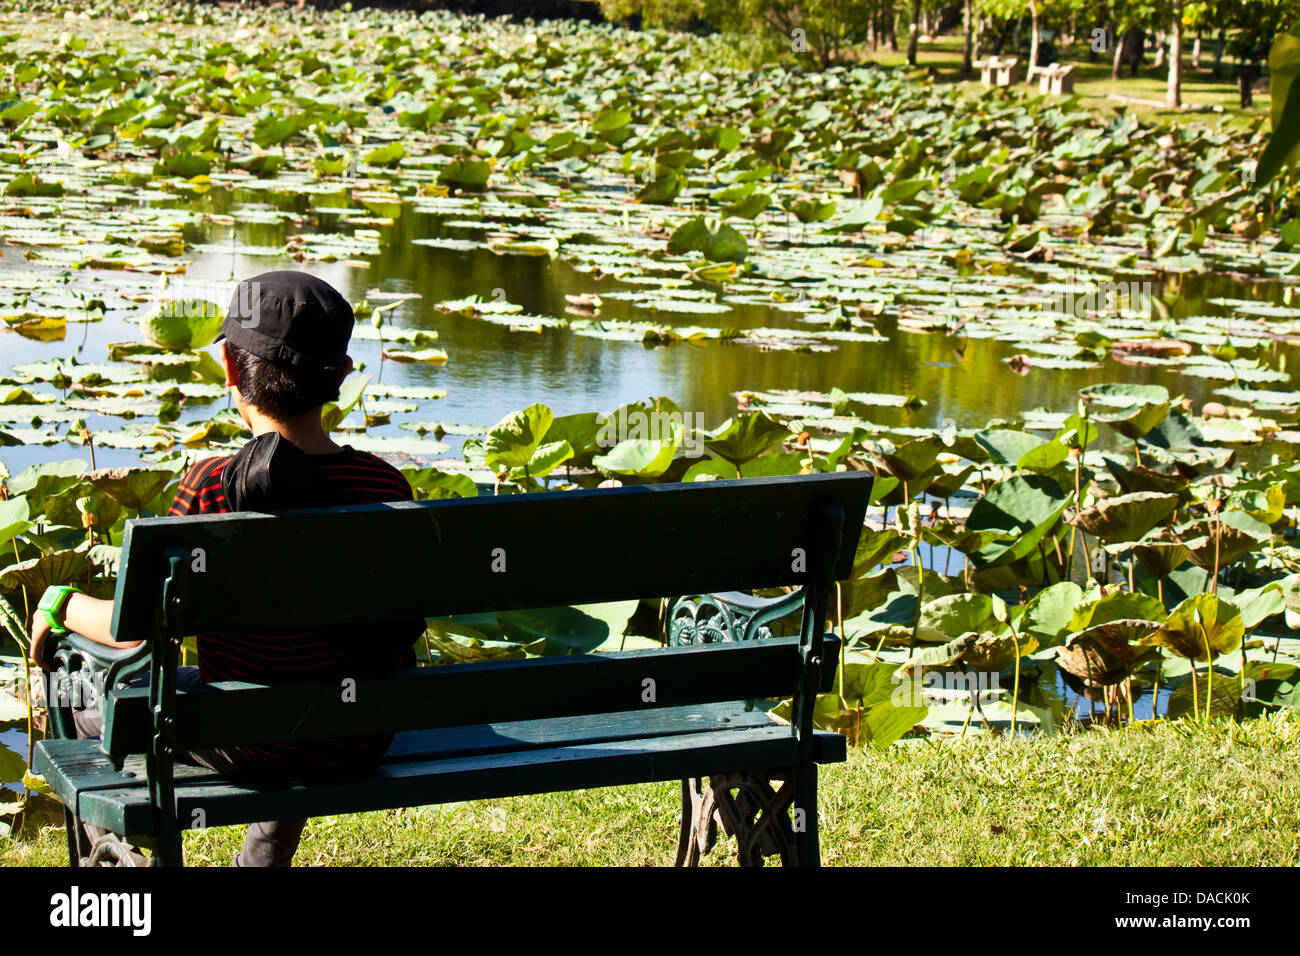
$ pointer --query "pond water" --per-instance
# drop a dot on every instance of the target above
(492, 371)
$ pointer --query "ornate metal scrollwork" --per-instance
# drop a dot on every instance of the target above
(711, 618)
(743, 805)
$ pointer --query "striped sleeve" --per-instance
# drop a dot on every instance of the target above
(200, 490)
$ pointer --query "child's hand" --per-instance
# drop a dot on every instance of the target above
(41, 648)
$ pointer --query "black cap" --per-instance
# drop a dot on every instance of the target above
(290, 318)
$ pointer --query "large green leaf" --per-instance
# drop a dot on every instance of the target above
(333, 413)
(1227, 700)
(1107, 652)
(1217, 543)
(1273, 683)
(468, 175)
(662, 185)
(637, 456)
(1200, 629)
(1049, 611)
(908, 461)
(132, 488)
(431, 483)
(40, 481)
(183, 324)
(546, 459)
(390, 154)
(458, 643)
(1026, 508)
(13, 518)
(875, 704)
(745, 437)
(58, 567)
(1127, 517)
(1116, 606)
(513, 440)
(723, 244)
(1135, 420)
(580, 431)
(951, 616)
(567, 630)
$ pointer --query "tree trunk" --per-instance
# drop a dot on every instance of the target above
(967, 49)
(1218, 51)
(914, 35)
(1160, 49)
(1033, 41)
(1135, 50)
(1118, 39)
(1000, 43)
(1196, 51)
(892, 23)
(1174, 93)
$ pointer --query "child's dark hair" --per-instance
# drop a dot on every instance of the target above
(280, 391)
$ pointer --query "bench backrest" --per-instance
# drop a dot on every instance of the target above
(249, 571)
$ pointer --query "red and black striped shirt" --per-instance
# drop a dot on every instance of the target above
(289, 656)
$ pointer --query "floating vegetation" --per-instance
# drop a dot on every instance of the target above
(1131, 541)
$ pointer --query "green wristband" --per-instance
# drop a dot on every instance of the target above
(53, 601)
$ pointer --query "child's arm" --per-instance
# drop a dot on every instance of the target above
(90, 617)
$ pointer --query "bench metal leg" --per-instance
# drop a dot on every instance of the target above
(748, 807)
(112, 850)
(72, 826)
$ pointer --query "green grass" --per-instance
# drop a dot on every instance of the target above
(1093, 81)
(1166, 794)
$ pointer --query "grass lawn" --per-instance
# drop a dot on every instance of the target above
(1166, 794)
(1093, 81)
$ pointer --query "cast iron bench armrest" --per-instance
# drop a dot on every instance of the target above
(739, 617)
(116, 664)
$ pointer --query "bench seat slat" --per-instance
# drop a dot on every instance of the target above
(430, 697)
(125, 809)
(589, 728)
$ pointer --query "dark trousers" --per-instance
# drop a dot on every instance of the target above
(265, 844)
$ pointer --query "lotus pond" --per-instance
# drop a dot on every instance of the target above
(1061, 340)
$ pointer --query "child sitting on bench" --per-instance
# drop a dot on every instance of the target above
(285, 355)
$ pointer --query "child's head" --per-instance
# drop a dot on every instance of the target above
(286, 340)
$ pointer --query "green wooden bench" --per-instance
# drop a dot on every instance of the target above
(481, 730)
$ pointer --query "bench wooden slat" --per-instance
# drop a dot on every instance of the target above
(422, 698)
(419, 783)
(433, 558)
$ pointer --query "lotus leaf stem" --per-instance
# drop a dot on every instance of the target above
(1155, 691)
(1214, 588)
(27, 669)
(1015, 688)
(1209, 675)
(1196, 702)
(839, 609)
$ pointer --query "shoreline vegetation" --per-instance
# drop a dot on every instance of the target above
(1167, 794)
